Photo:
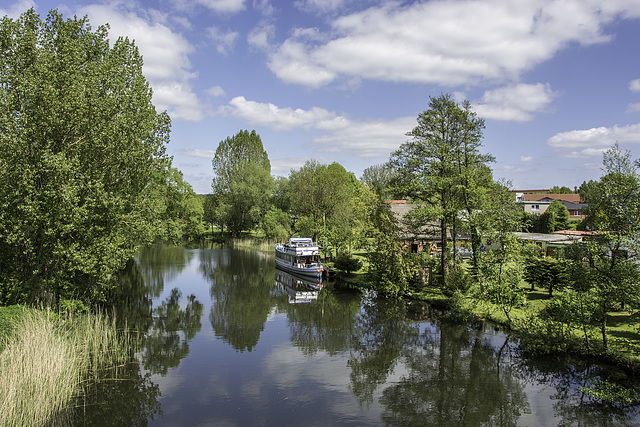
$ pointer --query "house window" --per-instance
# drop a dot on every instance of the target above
(535, 207)
(576, 213)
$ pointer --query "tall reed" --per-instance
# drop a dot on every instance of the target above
(47, 361)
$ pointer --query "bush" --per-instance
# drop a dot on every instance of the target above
(347, 263)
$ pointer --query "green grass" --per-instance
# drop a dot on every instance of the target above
(48, 358)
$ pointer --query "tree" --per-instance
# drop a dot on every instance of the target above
(561, 190)
(379, 178)
(560, 215)
(318, 192)
(243, 180)
(607, 267)
(441, 167)
(80, 142)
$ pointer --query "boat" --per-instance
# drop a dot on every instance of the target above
(300, 256)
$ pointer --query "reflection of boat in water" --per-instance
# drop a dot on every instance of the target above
(300, 256)
(300, 289)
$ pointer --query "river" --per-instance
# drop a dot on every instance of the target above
(226, 342)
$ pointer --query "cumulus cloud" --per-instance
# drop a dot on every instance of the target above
(367, 139)
(632, 108)
(224, 40)
(322, 6)
(165, 53)
(216, 91)
(634, 85)
(284, 119)
(223, 6)
(593, 142)
(204, 154)
(448, 43)
(16, 9)
(515, 102)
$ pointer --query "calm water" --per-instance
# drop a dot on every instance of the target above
(227, 342)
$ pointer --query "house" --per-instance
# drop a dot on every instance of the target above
(538, 203)
(419, 236)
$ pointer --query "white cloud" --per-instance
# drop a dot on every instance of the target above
(632, 108)
(223, 6)
(634, 85)
(283, 166)
(319, 5)
(165, 54)
(204, 154)
(224, 40)
(526, 158)
(216, 91)
(449, 43)
(515, 102)
(367, 139)
(260, 37)
(281, 119)
(592, 142)
(16, 9)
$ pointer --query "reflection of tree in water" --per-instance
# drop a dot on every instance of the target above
(324, 325)
(379, 336)
(455, 378)
(167, 340)
(123, 397)
(160, 263)
(167, 329)
(241, 295)
(573, 406)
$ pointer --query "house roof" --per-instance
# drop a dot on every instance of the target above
(573, 198)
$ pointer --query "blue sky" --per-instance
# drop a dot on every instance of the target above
(557, 81)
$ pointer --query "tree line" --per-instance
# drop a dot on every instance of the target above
(87, 182)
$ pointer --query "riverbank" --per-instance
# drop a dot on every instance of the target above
(622, 330)
(47, 359)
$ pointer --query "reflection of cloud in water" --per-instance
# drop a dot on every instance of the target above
(322, 375)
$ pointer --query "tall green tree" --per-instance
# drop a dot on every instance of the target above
(318, 193)
(441, 167)
(80, 142)
(243, 180)
(560, 215)
(611, 272)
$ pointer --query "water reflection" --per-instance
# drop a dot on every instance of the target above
(336, 359)
(241, 296)
(300, 290)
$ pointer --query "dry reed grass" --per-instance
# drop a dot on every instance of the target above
(48, 360)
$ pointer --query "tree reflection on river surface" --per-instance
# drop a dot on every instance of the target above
(261, 359)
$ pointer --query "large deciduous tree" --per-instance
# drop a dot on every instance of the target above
(608, 267)
(80, 142)
(442, 169)
(243, 180)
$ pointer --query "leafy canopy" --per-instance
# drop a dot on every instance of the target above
(80, 141)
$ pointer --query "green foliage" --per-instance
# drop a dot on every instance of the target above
(560, 215)
(347, 263)
(442, 168)
(389, 272)
(459, 280)
(561, 190)
(276, 224)
(380, 179)
(611, 393)
(323, 195)
(80, 143)
(545, 272)
(243, 182)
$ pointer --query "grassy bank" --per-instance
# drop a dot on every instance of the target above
(47, 359)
